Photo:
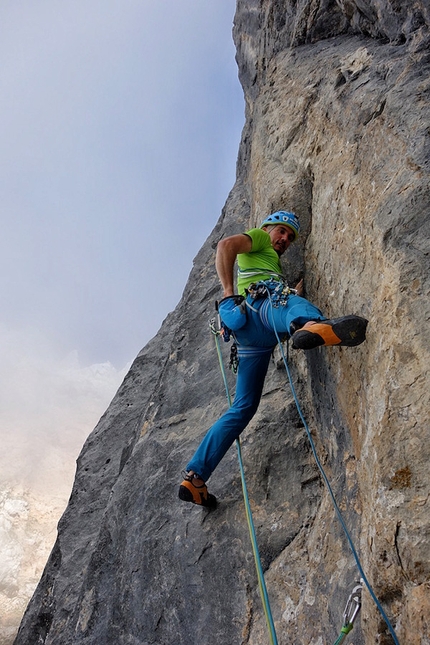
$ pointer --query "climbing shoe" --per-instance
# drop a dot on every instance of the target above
(347, 331)
(190, 492)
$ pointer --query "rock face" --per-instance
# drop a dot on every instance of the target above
(337, 129)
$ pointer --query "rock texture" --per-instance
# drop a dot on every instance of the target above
(337, 129)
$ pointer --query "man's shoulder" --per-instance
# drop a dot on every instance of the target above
(260, 239)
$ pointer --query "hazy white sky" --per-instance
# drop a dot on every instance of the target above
(120, 123)
(120, 126)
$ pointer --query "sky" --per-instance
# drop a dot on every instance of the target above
(120, 127)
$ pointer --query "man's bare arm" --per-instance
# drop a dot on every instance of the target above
(227, 251)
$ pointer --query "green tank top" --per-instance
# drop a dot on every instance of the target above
(261, 263)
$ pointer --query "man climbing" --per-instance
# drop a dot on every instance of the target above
(264, 311)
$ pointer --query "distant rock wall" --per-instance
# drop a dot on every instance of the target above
(337, 129)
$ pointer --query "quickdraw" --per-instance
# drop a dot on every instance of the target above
(234, 359)
(278, 290)
(219, 329)
(352, 608)
(353, 605)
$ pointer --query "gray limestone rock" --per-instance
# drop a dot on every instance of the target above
(337, 129)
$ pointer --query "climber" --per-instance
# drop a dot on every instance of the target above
(264, 310)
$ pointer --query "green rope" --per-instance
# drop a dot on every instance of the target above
(257, 559)
(343, 632)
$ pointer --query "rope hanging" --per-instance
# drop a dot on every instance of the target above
(348, 625)
(260, 575)
(329, 488)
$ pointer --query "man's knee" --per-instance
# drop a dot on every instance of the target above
(247, 411)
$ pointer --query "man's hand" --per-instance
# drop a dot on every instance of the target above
(227, 251)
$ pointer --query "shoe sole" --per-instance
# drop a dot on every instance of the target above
(348, 331)
(186, 494)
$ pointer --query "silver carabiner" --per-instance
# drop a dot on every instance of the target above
(353, 605)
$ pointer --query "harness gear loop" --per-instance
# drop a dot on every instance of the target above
(277, 290)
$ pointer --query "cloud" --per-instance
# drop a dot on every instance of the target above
(27, 534)
(49, 404)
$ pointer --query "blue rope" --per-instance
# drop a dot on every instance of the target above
(329, 488)
(251, 527)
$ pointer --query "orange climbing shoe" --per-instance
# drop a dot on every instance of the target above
(190, 492)
(347, 331)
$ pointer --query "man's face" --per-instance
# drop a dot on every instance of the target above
(281, 237)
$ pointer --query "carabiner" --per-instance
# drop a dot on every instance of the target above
(353, 605)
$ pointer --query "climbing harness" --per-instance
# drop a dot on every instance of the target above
(352, 608)
(277, 290)
(254, 272)
(354, 601)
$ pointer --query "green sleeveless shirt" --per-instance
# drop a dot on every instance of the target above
(261, 263)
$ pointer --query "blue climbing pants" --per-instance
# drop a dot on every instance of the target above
(255, 340)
